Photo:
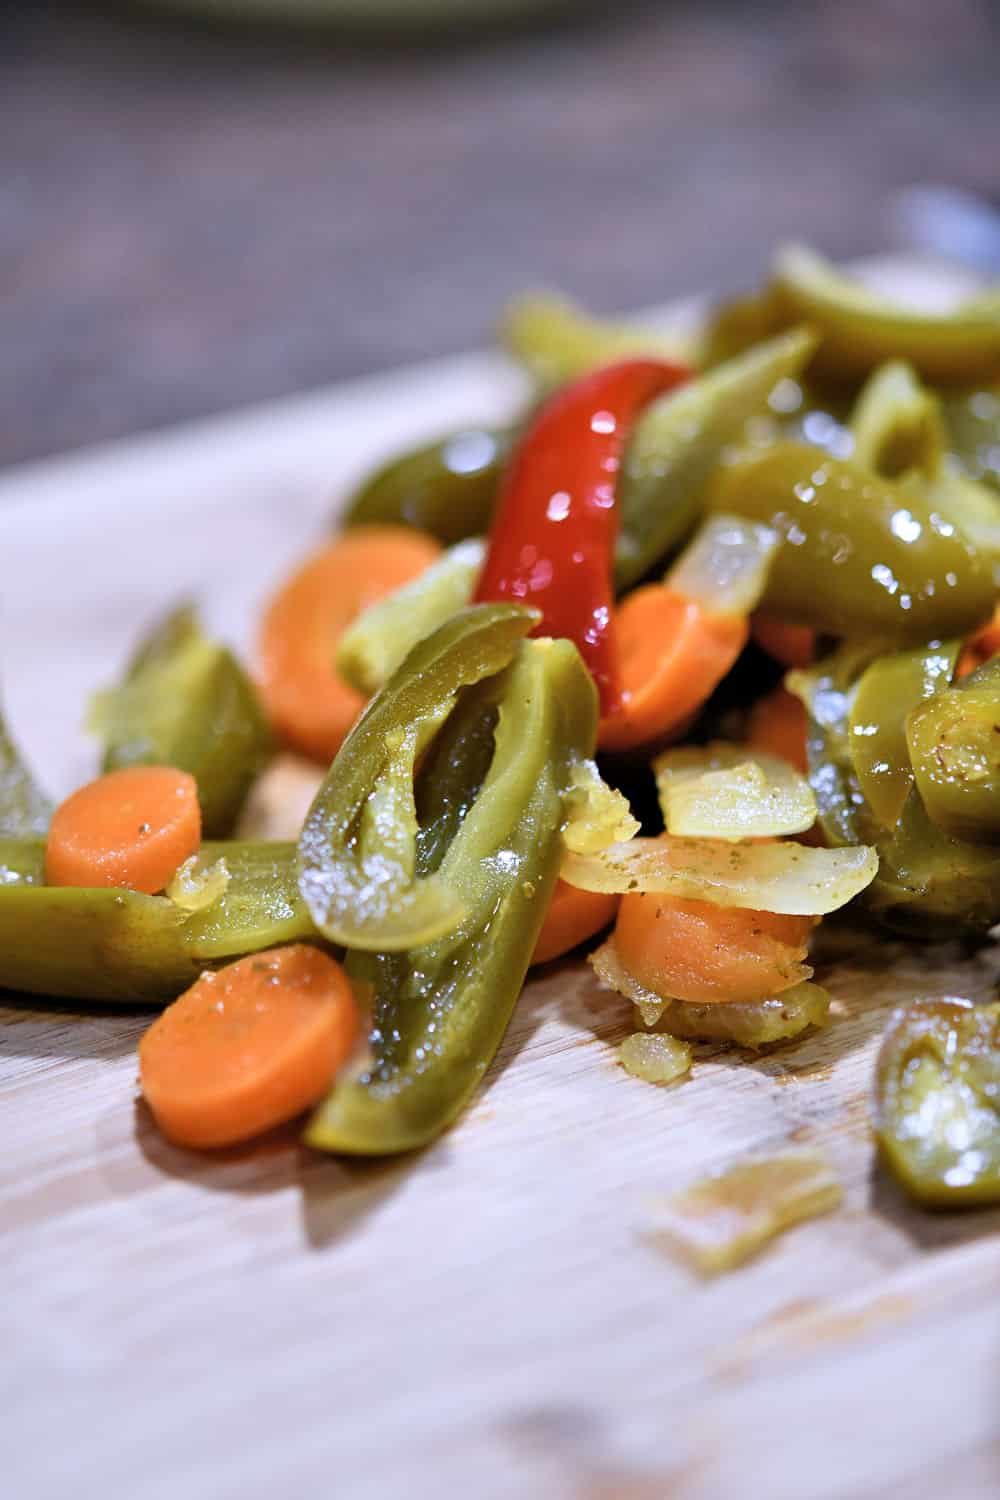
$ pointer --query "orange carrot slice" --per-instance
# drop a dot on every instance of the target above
(793, 645)
(572, 917)
(130, 828)
(778, 723)
(672, 651)
(248, 1047)
(696, 951)
(311, 707)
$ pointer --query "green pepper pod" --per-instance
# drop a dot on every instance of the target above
(24, 808)
(954, 746)
(897, 423)
(930, 885)
(380, 639)
(861, 555)
(861, 329)
(886, 693)
(440, 1010)
(677, 444)
(358, 845)
(447, 487)
(557, 342)
(116, 945)
(827, 694)
(187, 702)
(937, 1102)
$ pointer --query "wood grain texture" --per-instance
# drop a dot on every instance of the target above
(495, 1316)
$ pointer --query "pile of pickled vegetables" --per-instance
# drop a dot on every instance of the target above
(701, 650)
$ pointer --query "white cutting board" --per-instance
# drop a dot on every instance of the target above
(492, 1317)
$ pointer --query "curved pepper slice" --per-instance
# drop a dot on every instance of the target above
(114, 945)
(553, 536)
(937, 1102)
(441, 1009)
(357, 850)
(954, 745)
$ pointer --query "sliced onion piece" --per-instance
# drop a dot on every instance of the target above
(597, 814)
(654, 1057)
(726, 565)
(786, 878)
(726, 791)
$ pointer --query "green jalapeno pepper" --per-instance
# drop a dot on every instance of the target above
(447, 487)
(861, 555)
(886, 693)
(24, 808)
(827, 694)
(358, 843)
(954, 747)
(187, 702)
(937, 1102)
(441, 1009)
(860, 329)
(972, 421)
(896, 423)
(117, 945)
(557, 342)
(930, 885)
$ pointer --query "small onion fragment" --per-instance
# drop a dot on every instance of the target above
(726, 1218)
(726, 564)
(195, 886)
(654, 1057)
(729, 791)
(784, 878)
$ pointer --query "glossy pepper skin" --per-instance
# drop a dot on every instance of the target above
(447, 487)
(186, 702)
(954, 747)
(119, 946)
(937, 1102)
(494, 815)
(861, 555)
(553, 537)
(886, 694)
(357, 851)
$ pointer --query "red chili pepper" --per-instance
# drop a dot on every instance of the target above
(553, 537)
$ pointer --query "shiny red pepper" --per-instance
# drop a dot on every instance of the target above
(556, 523)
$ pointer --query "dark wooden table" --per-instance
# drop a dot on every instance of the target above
(191, 219)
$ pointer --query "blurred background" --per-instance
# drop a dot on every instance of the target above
(195, 215)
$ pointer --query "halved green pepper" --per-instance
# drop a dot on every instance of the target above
(116, 945)
(441, 1009)
(357, 849)
(187, 702)
(862, 556)
(447, 487)
(886, 693)
(954, 746)
(937, 1102)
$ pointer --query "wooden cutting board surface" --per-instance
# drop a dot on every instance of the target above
(495, 1316)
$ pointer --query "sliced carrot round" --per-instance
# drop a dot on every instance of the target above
(696, 951)
(792, 645)
(778, 724)
(311, 707)
(572, 917)
(130, 828)
(672, 651)
(248, 1046)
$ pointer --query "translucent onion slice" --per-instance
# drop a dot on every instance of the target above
(597, 814)
(722, 1220)
(196, 886)
(655, 1058)
(726, 565)
(750, 1023)
(726, 791)
(785, 878)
